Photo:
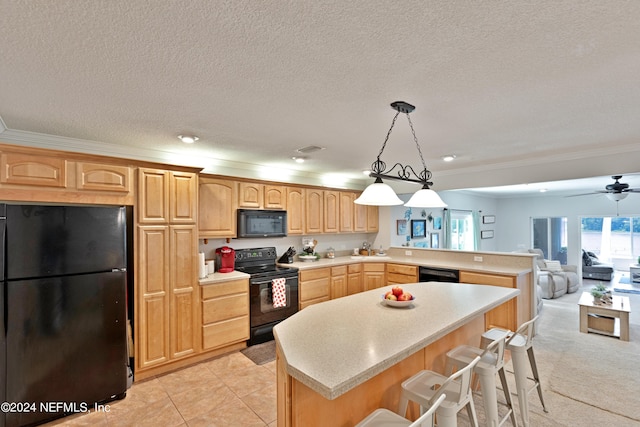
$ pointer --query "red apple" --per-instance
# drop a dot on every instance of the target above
(388, 294)
(405, 297)
(397, 291)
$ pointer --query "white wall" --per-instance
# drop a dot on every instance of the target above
(514, 217)
(454, 200)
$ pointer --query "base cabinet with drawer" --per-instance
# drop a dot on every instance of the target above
(399, 274)
(225, 313)
(314, 286)
(373, 275)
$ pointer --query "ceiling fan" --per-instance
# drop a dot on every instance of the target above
(616, 191)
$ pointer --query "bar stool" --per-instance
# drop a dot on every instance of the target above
(385, 418)
(425, 386)
(521, 347)
(491, 363)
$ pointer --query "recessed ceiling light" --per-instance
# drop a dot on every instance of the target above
(188, 139)
(543, 190)
(449, 157)
(367, 173)
(299, 159)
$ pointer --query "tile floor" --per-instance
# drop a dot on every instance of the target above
(226, 391)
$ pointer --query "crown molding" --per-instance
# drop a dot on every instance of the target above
(206, 163)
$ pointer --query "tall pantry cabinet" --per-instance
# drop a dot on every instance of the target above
(166, 245)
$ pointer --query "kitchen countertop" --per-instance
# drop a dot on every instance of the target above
(222, 277)
(337, 345)
(467, 266)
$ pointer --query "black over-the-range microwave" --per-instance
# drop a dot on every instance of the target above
(262, 223)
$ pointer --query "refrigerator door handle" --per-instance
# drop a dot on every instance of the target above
(118, 270)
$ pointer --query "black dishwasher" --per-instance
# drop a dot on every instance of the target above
(432, 274)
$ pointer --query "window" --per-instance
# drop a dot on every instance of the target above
(613, 239)
(462, 231)
(550, 235)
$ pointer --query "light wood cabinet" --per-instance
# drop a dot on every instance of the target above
(261, 196)
(331, 218)
(103, 177)
(513, 312)
(152, 296)
(400, 273)
(295, 210)
(365, 219)
(153, 196)
(314, 211)
(34, 170)
(347, 211)
(36, 175)
(338, 281)
(373, 275)
(354, 279)
(166, 297)
(250, 195)
(275, 197)
(217, 207)
(225, 313)
(183, 307)
(314, 286)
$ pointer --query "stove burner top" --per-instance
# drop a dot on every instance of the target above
(261, 263)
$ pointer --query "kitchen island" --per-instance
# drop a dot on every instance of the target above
(339, 360)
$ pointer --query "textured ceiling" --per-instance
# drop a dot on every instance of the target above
(521, 92)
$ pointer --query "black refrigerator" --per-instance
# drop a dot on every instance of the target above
(64, 303)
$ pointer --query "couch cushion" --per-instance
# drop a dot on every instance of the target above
(586, 259)
(553, 265)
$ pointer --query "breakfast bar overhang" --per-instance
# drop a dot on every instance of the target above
(341, 359)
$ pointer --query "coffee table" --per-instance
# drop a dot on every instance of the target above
(607, 319)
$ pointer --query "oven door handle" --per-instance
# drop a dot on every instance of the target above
(268, 282)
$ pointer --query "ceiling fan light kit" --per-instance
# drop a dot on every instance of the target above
(380, 194)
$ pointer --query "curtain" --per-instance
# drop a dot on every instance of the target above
(446, 227)
(476, 229)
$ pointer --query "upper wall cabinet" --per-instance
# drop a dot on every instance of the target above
(27, 174)
(261, 196)
(295, 210)
(217, 207)
(331, 211)
(166, 197)
(314, 211)
(347, 211)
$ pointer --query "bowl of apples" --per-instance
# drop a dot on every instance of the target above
(397, 297)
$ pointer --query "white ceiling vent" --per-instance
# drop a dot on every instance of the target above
(309, 149)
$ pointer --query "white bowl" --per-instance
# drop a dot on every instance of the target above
(392, 303)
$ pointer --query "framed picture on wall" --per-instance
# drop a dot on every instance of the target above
(488, 219)
(437, 223)
(401, 227)
(486, 234)
(435, 240)
(418, 228)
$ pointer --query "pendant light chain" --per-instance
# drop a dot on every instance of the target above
(384, 144)
(415, 138)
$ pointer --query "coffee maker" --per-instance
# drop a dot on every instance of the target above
(225, 259)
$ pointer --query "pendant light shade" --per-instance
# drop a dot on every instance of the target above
(378, 194)
(425, 198)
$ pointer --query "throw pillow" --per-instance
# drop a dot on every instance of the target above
(553, 265)
(586, 259)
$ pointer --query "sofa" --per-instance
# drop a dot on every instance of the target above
(592, 268)
(554, 278)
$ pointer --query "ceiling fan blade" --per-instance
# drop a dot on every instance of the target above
(632, 190)
(587, 194)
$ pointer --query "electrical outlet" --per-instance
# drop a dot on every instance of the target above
(408, 253)
(477, 258)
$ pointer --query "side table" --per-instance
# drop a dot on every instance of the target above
(607, 319)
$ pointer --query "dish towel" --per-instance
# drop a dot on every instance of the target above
(279, 293)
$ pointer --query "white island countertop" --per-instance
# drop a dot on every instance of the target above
(337, 345)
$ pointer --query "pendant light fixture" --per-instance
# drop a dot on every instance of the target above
(380, 194)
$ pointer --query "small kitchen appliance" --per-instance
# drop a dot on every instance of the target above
(225, 259)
